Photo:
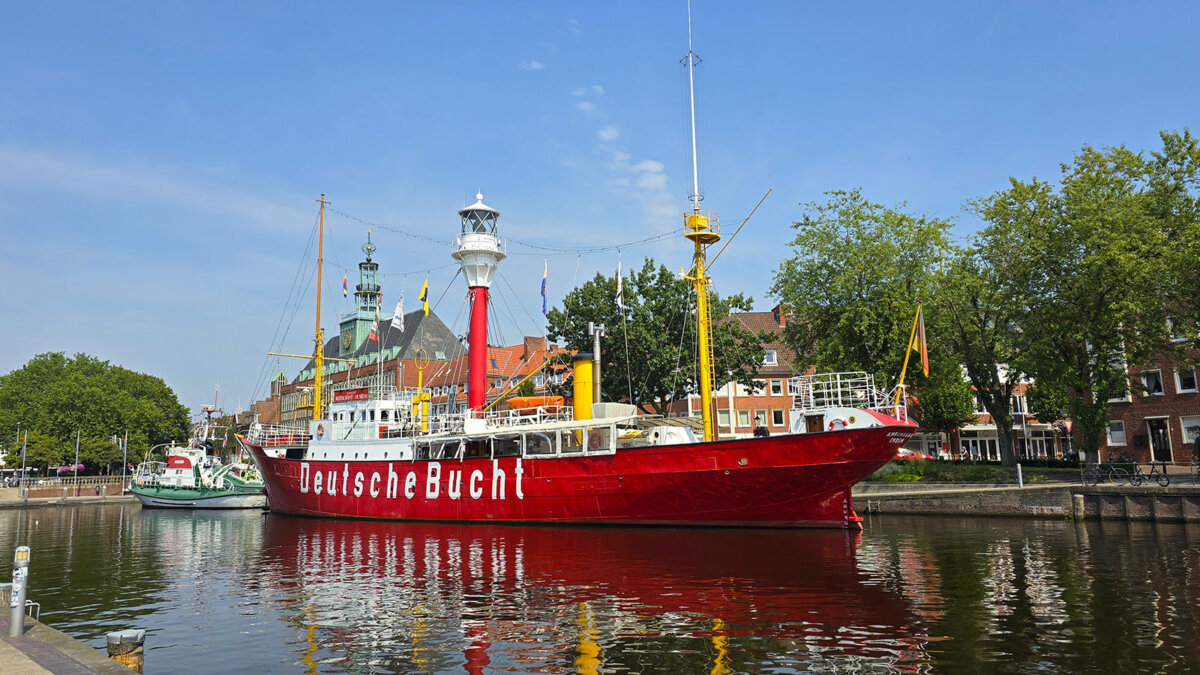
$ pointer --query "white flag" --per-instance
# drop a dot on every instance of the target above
(398, 315)
(620, 298)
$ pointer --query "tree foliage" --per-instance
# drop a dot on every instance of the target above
(53, 397)
(649, 352)
(980, 308)
(853, 280)
(852, 284)
(1104, 261)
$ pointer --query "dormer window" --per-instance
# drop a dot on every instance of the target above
(769, 358)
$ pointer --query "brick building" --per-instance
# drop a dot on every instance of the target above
(1159, 419)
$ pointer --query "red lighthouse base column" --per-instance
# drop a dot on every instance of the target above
(477, 360)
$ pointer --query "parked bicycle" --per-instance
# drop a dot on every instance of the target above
(1139, 477)
(1121, 469)
(1092, 474)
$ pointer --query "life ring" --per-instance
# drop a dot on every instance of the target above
(594, 440)
(320, 429)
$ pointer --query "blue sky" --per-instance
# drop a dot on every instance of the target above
(159, 162)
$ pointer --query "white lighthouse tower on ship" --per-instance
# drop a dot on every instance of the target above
(478, 249)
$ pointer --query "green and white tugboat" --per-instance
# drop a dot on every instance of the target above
(192, 477)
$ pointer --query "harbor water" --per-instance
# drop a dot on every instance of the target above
(244, 591)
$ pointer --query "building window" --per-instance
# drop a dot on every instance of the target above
(494, 364)
(1175, 327)
(760, 417)
(1116, 432)
(723, 418)
(793, 387)
(743, 418)
(1191, 428)
(777, 387)
(769, 358)
(759, 386)
(777, 418)
(1152, 382)
(1185, 381)
(538, 380)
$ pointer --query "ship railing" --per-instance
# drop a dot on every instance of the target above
(266, 435)
(381, 392)
(853, 389)
(525, 416)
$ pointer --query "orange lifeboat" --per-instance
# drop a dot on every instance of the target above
(531, 402)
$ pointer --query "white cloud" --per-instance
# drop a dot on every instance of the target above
(608, 134)
(645, 181)
(597, 89)
(532, 64)
(586, 106)
(573, 24)
(584, 91)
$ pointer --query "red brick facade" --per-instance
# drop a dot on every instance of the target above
(1159, 422)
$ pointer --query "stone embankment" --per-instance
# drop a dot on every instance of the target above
(1040, 500)
(42, 649)
(14, 498)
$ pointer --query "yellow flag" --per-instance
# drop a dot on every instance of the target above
(425, 296)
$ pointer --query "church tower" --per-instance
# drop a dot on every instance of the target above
(368, 296)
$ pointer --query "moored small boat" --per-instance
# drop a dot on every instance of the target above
(192, 478)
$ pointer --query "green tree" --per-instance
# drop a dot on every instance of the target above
(42, 453)
(1047, 403)
(649, 352)
(944, 403)
(979, 307)
(852, 284)
(57, 397)
(1105, 260)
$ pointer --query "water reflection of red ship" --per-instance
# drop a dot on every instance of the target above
(603, 584)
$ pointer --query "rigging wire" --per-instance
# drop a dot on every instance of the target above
(275, 337)
(625, 331)
(520, 304)
(551, 250)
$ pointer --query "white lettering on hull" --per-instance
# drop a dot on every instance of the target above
(326, 482)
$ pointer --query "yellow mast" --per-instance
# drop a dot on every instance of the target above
(319, 348)
(703, 228)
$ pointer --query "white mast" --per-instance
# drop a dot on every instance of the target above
(692, 60)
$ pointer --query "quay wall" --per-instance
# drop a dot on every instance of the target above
(1173, 503)
(13, 498)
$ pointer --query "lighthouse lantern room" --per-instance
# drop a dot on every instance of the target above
(478, 250)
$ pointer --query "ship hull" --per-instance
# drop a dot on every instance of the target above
(189, 499)
(801, 480)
